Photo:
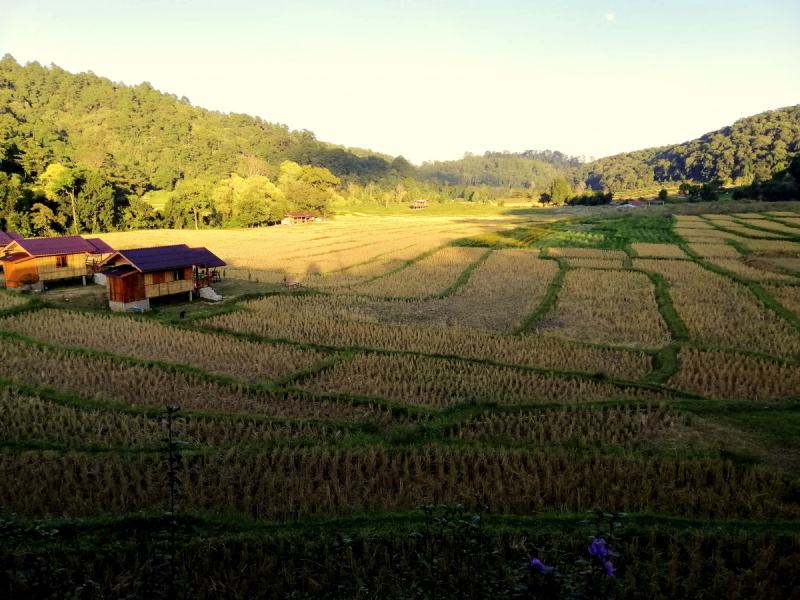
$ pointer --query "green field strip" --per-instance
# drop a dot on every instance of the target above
(677, 328)
(787, 238)
(665, 364)
(780, 221)
(463, 278)
(741, 247)
(95, 404)
(549, 299)
(749, 224)
(110, 531)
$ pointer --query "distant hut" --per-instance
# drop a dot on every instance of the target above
(134, 277)
(419, 204)
(297, 218)
(31, 262)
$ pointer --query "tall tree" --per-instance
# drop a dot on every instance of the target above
(560, 191)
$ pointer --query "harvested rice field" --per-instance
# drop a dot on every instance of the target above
(523, 368)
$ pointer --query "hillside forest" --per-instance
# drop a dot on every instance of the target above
(81, 153)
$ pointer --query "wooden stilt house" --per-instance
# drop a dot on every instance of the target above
(31, 262)
(419, 204)
(135, 277)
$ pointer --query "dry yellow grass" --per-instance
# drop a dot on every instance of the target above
(723, 375)
(754, 232)
(500, 292)
(609, 307)
(531, 351)
(721, 313)
(794, 221)
(615, 427)
(705, 234)
(772, 226)
(715, 250)
(720, 218)
(152, 341)
(781, 264)
(442, 383)
(8, 301)
(29, 419)
(428, 277)
(658, 251)
(586, 253)
(318, 247)
(595, 263)
(784, 214)
(699, 224)
(788, 296)
(148, 386)
(751, 271)
(773, 247)
(287, 483)
(749, 216)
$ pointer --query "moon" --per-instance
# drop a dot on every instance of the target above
(610, 17)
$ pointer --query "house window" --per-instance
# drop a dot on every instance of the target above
(179, 274)
(61, 261)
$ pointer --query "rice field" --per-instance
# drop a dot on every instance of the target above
(658, 251)
(721, 313)
(440, 383)
(613, 307)
(726, 375)
(715, 251)
(520, 377)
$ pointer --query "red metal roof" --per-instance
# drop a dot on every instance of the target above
(300, 215)
(161, 258)
(72, 244)
(6, 237)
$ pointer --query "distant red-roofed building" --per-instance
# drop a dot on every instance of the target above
(134, 277)
(298, 218)
(31, 262)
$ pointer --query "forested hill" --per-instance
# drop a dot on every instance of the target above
(753, 147)
(148, 139)
(531, 169)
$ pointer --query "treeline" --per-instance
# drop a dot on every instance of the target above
(530, 170)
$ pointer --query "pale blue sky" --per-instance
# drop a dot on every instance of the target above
(433, 79)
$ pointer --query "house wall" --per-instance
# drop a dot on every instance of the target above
(163, 283)
(124, 290)
(46, 266)
(17, 273)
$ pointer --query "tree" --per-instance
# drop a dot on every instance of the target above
(190, 197)
(544, 198)
(95, 200)
(560, 191)
(45, 221)
(307, 188)
(60, 184)
(663, 195)
(139, 215)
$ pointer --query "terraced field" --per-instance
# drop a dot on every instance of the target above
(522, 371)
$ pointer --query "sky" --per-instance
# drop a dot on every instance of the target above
(433, 79)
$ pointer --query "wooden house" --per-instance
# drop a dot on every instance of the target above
(6, 237)
(419, 204)
(135, 277)
(297, 218)
(32, 262)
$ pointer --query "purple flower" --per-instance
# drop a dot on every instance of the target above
(599, 550)
(537, 564)
(609, 568)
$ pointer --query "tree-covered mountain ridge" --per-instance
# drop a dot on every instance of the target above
(752, 148)
(150, 139)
